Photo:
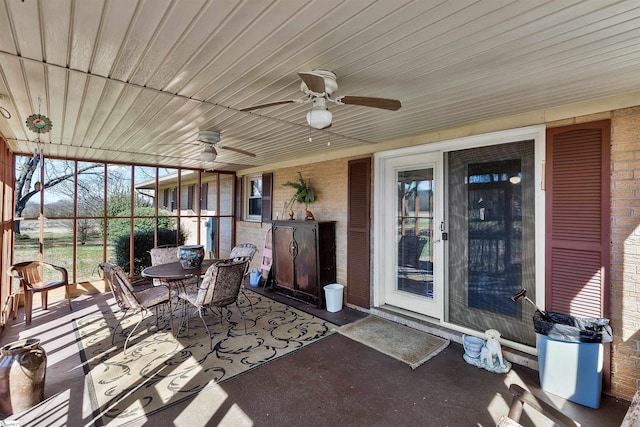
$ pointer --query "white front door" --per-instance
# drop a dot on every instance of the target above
(410, 266)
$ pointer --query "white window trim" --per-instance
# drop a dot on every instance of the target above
(245, 199)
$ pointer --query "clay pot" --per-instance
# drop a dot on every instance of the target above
(23, 366)
(191, 256)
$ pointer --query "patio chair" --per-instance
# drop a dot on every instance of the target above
(32, 280)
(220, 288)
(520, 397)
(244, 251)
(130, 300)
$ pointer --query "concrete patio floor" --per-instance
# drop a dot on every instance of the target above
(334, 382)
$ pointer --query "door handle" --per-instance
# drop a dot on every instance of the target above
(293, 248)
(445, 235)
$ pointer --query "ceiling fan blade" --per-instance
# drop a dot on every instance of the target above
(384, 103)
(314, 82)
(221, 167)
(237, 150)
(233, 164)
(270, 104)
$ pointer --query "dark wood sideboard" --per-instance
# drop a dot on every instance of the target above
(304, 258)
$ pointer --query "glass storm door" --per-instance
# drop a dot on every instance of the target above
(413, 285)
(491, 249)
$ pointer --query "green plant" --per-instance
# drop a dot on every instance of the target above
(117, 227)
(304, 193)
(142, 244)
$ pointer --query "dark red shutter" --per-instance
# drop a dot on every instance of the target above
(577, 219)
(204, 196)
(190, 192)
(165, 194)
(238, 199)
(358, 233)
(267, 191)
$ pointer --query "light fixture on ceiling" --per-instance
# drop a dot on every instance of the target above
(319, 119)
(209, 136)
(209, 154)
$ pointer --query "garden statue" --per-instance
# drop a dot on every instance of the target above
(487, 353)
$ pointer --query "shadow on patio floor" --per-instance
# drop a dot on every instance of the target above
(334, 382)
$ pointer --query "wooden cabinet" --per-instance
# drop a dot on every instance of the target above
(304, 258)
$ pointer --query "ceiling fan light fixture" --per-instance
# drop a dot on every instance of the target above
(319, 119)
(209, 155)
(209, 136)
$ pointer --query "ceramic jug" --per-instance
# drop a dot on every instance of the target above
(23, 366)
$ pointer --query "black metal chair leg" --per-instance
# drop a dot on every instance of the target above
(113, 335)
(243, 319)
(207, 328)
(182, 316)
(143, 314)
(242, 289)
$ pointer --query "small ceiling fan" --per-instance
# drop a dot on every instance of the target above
(210, 138)
(318, 86)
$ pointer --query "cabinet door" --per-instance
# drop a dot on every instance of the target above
(326, 255)
(283, 256)
(306, 269)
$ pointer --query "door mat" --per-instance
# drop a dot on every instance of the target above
(401, 342)
(160, 369)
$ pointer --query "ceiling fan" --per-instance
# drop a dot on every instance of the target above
(210, 138)
(318, 86)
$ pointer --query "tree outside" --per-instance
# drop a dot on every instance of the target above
(73, 202)
(60, 177)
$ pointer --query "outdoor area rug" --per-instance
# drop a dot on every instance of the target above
(160, 369)
(401, 342)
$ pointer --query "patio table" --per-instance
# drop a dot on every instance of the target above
(172, 273)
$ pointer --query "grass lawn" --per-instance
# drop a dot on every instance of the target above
(58, 249)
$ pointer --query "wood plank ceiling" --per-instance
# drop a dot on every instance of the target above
(135, 80)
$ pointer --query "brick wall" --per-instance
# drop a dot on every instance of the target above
(625, 251)
(252, 232)
(329, 181)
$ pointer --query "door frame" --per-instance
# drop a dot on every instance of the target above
(432, 306)
(380, 229)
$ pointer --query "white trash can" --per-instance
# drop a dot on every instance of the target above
(333, 297)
